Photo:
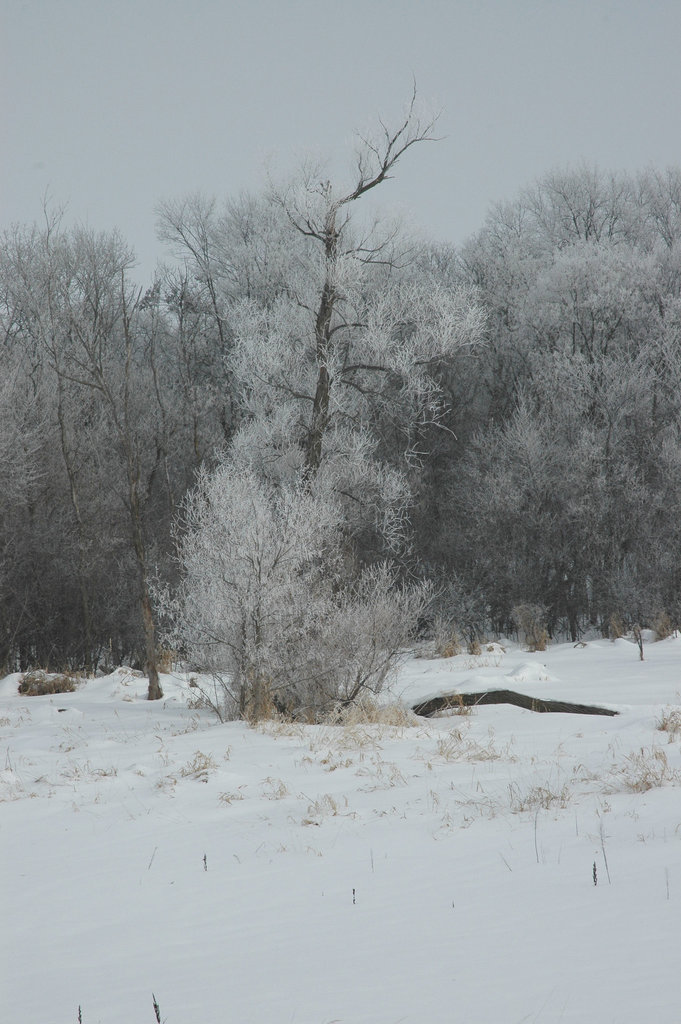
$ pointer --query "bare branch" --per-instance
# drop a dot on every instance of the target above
(376, 160)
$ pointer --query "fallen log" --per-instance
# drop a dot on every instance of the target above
(428, 708)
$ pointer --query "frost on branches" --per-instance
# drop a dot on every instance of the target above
(335, 338)
(267, 603)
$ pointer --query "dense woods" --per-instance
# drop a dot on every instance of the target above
(310, 410)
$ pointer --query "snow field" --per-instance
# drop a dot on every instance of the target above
(432, 873)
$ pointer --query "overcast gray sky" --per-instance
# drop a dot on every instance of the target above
(112, 105)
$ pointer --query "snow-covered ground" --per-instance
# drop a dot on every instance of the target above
(435, 873)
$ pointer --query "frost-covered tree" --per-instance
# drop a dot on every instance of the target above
(334, 334)
(265, 603)
(335, 339)
(562, 497)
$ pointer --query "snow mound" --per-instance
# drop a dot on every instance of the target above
(66, 714)
(9, 686)
(530, 672)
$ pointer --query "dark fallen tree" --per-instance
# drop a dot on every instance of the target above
(428, 708)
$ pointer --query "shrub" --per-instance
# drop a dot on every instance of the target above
(615, 628)
(638, 637)
(445, 639)
(458, 617)
(166, 658)
(530, 619)
(40, 684)
(269, 606)
(663, 626)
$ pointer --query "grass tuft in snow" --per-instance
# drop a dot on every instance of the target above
(670, 722)
(644, 769)
(457, 746)
(538, 798)
(371, 712)
(274, 789)
(200, 766)
(326, 806)
(230, 798)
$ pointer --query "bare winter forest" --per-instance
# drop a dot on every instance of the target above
(313, 433)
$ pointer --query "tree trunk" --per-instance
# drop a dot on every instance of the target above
(320, 414)
(151, 656)
(320, 409)
(75, 504)
(151, 667)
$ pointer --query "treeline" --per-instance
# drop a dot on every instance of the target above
(503, 420)
(567, 480)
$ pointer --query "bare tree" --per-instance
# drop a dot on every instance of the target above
(335, 335)
(98, 341)
(38, 273)
(112, 355)
(323, 214)
(343, 363)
